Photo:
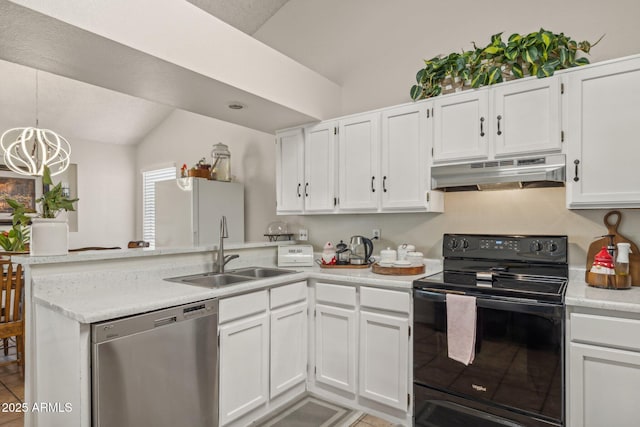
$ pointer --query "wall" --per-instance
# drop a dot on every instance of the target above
(373, 48)
(187, 137)
(531, 211)
(105, 177)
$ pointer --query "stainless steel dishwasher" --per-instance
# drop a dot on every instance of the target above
(157, 369)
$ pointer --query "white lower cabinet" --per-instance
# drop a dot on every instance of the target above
(288, 347)
(244, 357)
(604, 386)
(384, 359)
(335, 330)
(263, 351)
(603, 370)
(362, 348)
(384, 347)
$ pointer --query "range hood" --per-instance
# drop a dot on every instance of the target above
(526, 172)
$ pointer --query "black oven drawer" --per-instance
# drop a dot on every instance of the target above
(518, 365)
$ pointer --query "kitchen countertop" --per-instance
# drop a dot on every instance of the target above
(115, 254)
(579, 294)
(89, 297)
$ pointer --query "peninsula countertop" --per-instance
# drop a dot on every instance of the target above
(93, 296)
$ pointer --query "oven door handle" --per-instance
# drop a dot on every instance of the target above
(527, 306)
(516, 305)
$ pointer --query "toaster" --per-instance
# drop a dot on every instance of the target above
(295, 256)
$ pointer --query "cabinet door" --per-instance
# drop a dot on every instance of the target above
(289, 171)
(335, 330)
(460, 126)
(526, 116)
(319, 171)
(288, 347)
(359, 169)
(404, 157)
(603, 386)
(602, 136)
(384, 359)
(244, 367)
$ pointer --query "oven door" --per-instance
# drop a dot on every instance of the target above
(518, 369)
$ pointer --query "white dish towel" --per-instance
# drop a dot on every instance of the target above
(461, 327)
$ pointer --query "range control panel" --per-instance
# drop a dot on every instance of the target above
(526, 248)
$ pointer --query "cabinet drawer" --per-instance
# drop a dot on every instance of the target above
(605, 330)
(385, 299)
(242, 306)
(336, 294)
(288, 294)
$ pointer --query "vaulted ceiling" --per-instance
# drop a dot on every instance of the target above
(83, 111)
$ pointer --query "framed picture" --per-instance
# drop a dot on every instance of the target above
(24, 189)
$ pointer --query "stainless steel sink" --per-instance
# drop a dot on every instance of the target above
(261, 272)
(214, 280)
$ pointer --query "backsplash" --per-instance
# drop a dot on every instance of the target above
(531, 211)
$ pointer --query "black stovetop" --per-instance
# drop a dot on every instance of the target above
(531, 267)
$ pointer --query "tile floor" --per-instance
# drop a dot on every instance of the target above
(11, 391)
(368, 421)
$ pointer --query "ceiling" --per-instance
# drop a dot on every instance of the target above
(82, 111)
(245, 15)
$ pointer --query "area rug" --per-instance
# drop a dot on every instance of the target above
(311, 412)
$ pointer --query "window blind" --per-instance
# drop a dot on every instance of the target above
(149, 179)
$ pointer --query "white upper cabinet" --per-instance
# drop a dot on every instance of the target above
(290, 171)
(526, 117)
(460, 129)
(319, 168)
(359, 183)
(509, 119)
(602, 135)
(405, 164)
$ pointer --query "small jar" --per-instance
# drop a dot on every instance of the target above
(387, 256)
(221, 163)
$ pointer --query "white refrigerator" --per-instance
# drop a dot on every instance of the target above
(188, 212)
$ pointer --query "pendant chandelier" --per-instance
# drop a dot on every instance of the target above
(28, 150)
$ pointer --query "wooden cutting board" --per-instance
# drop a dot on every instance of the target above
(397, 271)
(612, 221)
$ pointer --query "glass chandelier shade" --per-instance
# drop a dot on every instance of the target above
(28, 150)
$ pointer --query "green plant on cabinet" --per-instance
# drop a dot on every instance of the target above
(538, 54)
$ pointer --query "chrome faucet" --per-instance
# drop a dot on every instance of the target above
(221, 260)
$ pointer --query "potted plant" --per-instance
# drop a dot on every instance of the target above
(538, 54)
(16, 239)
(49, 234)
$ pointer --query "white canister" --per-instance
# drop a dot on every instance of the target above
(387, 256)
(415, 258)
(404, 249)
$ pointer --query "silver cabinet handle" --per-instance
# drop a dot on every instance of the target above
(499, 131)
(306, 186)
(299, 189)
(481, 126)
(576, 178)
(384, 184)
(373, 190)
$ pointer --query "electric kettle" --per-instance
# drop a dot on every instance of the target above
(361, 250)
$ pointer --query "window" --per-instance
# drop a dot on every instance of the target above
(149, 179)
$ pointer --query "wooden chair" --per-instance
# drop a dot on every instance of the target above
(12, 313)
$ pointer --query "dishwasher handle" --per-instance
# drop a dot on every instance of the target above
(119, 328)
